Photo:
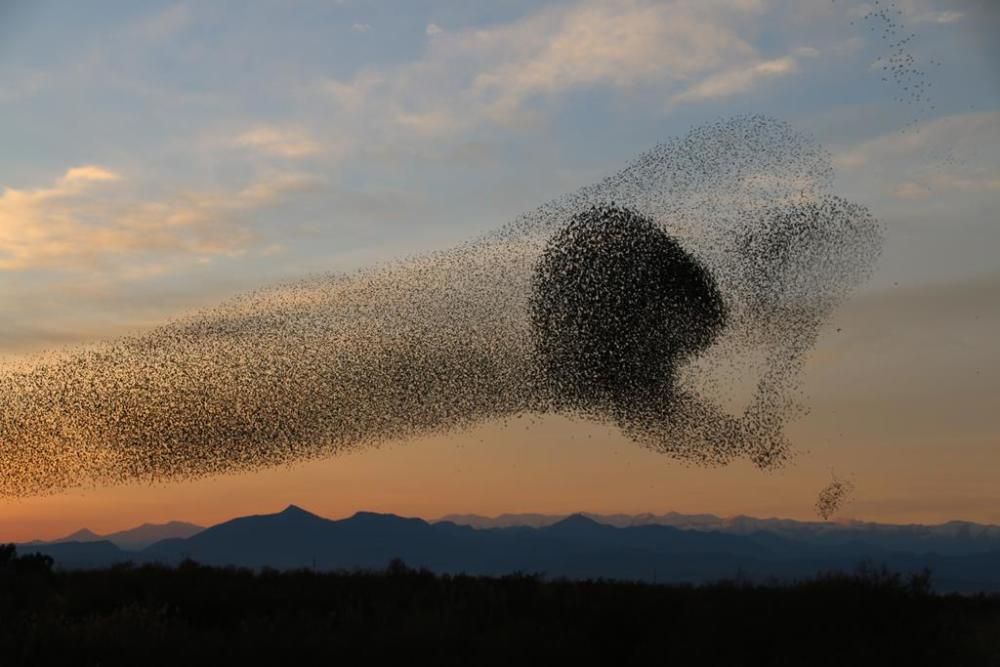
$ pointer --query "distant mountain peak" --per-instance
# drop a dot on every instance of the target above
(578, 521)
(82, 535)
(295, 510)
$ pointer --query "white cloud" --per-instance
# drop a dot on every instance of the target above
(17, 84)
(431, 122)
(917, 11)
(269, 191)
(281, 142)
(494, 75)
(805, 52)
(939, 17)
(433, 29)
(163, 24)
(953, 156)
(943, 182)
(88, 173)
(78, 223)
(737, 80)
(601, 43)
(860, 10)
(352, 96)
(969, 134)
(361, 27)
(911, 190)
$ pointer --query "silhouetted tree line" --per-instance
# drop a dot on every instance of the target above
(193, 614)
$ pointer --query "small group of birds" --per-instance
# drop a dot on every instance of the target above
(899, 65)
(833, 496)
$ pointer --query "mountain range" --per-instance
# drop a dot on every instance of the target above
(953, 537)
(962, 557)
(133, 539)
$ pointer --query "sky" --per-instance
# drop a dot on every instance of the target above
(158, 157)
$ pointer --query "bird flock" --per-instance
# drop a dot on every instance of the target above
(833, 496)
(676, 299)
(899, 67)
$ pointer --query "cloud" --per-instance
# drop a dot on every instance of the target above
(743, 78)
(942, 169)
(431, 122)
(269, 191)
(495, 75)
(918, 11)
(361, 27)
(939, 17)
(737, 80)
(162, 25)
(911, 190)
(947, 182)
(957, 141)
(805, 52)
(88, 173)
(601, 43)
(352, 96)
(78, 223)
(286, 143)
(433, 29)
(18, 83)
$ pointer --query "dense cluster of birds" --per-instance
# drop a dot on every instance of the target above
(833, 496)
(676, 299)
(607, 272)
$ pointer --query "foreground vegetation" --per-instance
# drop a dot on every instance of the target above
(192, 614)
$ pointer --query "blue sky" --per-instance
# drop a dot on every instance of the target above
(158, 156)
(302, 136)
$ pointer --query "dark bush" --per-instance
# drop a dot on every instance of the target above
(195, 614)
